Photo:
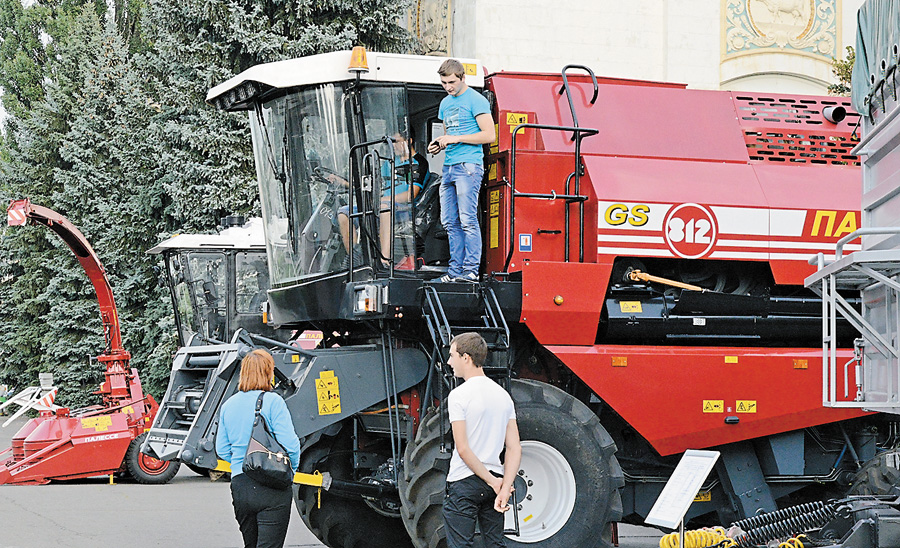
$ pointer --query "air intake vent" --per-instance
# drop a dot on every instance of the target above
(793, 130)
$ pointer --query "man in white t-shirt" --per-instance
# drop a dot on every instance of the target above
(483, 420)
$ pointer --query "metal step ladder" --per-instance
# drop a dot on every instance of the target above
(490, 324)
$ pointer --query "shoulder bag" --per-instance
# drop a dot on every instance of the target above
(266, 460)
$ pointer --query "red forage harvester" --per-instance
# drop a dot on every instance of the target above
(60, 443)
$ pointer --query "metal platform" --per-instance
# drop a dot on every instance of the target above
(875, 274)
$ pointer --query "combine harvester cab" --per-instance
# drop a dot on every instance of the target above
(103, 439)
(218, 282)
(645, 248)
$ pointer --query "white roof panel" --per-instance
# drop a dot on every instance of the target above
(332, 67)
(250, 236)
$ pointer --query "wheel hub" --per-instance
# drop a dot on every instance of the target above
(545, 493)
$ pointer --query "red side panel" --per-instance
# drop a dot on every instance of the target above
(679, 398)
(560, 301)
(644, 121)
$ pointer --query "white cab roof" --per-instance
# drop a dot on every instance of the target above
(250, 237)
(332, 67)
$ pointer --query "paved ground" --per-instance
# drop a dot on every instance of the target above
(190, 512)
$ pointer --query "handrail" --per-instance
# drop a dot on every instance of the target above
(568, 92)
(580, 134)
(350, 212)
(839, 250)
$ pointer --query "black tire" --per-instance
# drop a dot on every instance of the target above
(199, 470)
(548, 418)
(878, 476)
(146, 469)
(343, 522)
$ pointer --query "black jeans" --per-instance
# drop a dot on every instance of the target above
(261, 512)
(467, 500)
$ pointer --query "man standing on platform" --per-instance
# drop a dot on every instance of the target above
(467, 126)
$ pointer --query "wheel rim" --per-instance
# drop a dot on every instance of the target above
(152, 466)
(549, 496)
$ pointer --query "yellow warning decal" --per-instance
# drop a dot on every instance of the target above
(495, 232)
(492, 171)
(745, 406)
(731, 359)
(515, 118)
(328, 394)
(495, 146)
(703, 497)
(471, 69)
(713, 406)
(295, 358)
(99, 424)
(630, 307)
(494, 225)
(128, 410)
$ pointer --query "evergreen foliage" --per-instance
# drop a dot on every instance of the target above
(107, 124)
(843, 71)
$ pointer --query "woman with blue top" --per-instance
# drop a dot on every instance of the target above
(261, 512)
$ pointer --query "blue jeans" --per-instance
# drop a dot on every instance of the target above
(459, 214)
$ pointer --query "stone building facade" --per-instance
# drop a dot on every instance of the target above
(753, 45)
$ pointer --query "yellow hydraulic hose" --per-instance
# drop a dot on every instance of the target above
(701, 538)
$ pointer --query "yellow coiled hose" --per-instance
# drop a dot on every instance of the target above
(701, 538)
(793, 542)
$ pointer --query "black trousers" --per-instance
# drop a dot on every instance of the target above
(261, 512)
(467, 500)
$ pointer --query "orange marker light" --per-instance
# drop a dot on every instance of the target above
(358, 62)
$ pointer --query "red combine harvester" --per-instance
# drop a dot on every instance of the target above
(104, 439)
(642, 293)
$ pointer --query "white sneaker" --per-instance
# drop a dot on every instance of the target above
(467, 277)
(445, 279)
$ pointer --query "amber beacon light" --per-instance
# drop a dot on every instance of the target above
(358, 62)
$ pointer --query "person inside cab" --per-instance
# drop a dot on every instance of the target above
(411, 174)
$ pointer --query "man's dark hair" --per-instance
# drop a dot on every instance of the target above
(473, 345)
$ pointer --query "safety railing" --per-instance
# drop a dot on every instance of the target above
(371, 160)
(569, 196)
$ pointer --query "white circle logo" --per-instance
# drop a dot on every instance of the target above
(690, 230)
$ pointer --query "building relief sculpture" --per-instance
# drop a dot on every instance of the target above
(433, 26)
(785, 26)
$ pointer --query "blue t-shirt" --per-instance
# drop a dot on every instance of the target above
(236, 425)
(458, 115)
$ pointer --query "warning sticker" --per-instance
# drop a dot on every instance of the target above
(515, 118)
(494, 224)
(745, 406)
(713, 406)
(703, 497)
(99, 424)
(630, 307)
(328, 394)
(495, 232)
(470, 68)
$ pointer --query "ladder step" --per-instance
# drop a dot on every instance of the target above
(477, 328)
